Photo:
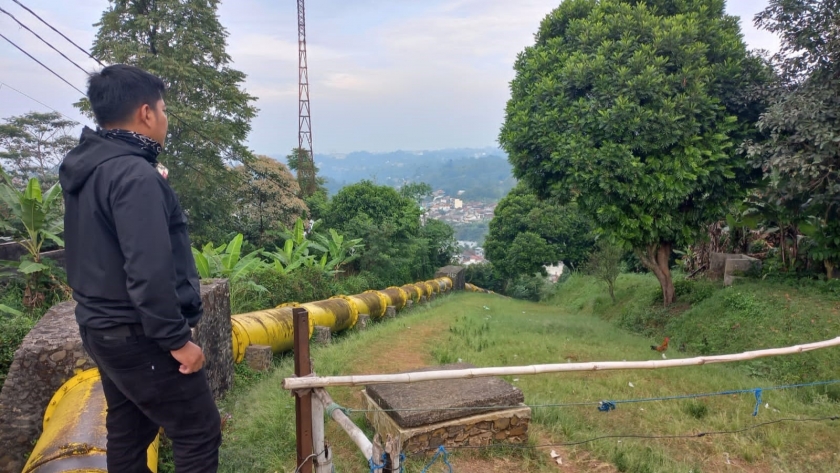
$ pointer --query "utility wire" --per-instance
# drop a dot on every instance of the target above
(43, 40)
(41, 63)
(3, 84)
(183, 122)
(59, 32)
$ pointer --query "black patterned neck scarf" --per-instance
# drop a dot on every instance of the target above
(141, 141)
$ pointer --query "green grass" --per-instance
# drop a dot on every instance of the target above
(260, 436)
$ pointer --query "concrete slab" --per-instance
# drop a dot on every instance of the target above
(456, 396)
(504, 426)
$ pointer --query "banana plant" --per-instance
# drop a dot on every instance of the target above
(336, 249)
(33, 218)
(226, 260)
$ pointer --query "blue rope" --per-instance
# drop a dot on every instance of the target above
(606, 406)
(444, 458)
(375, 466)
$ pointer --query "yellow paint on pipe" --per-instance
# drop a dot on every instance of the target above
(395, 296)
(414, 291)
(74, 437)
(272, 327)
(336, 313)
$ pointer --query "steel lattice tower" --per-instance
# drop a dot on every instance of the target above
(306, 163)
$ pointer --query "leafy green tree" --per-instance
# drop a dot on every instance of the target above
(634, 110)
(340, 251)
(527, 233)
(33, 145)
(439, 240)
(183, 42)
(389, 224)
(801, 155)
(268, 200)
(416, 191)
(605, 264)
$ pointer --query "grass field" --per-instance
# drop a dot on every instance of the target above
(490, 330)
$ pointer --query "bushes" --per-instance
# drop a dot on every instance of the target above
(265, 288)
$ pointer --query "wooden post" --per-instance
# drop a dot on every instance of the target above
(392, 453)
(323, 458)
(303, 398)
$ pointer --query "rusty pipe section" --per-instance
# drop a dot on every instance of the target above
(74, 436)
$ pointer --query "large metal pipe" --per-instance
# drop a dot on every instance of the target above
(337, 313)
(272, 327)
(413, 291)
(74, 437)
(396, 297)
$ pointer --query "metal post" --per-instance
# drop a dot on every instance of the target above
(303, 398)
(323, 459)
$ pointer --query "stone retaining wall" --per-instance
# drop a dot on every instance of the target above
(52, 353)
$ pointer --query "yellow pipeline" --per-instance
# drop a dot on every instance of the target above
(272, 327)
(395, 296)
(413, 291)
(336, 313)
(74, 436)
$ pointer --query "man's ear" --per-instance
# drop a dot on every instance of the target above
(145, 115)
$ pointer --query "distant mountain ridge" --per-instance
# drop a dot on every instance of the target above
(482, 173)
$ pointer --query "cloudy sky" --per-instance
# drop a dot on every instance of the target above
(384, 74)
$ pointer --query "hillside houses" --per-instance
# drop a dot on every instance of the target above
(455, 210)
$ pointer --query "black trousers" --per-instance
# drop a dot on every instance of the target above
(145, 391)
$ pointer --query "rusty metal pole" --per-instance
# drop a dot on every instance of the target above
(303, 398)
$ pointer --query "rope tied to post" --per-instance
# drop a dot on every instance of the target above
(336, 407)
(443, 455)
(376, 466)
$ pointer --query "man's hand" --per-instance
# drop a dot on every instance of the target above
(190, 356)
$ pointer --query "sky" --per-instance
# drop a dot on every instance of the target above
(384, 74)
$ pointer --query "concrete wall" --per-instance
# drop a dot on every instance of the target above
(52, 353)
(455, 273)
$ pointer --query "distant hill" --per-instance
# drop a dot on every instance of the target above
(482, 173)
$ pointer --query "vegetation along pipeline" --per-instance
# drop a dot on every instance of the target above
(74, 435)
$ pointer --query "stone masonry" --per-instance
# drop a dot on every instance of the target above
(455, 273)
(52, 353)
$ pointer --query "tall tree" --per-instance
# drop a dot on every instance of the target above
(801, 155)
(33, 145)
(527, 233)
(633, 109)
(183, 42)
(268, 199)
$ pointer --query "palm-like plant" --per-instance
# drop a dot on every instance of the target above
(336, 249)
(33, 218)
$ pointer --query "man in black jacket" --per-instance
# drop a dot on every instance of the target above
(134, 279)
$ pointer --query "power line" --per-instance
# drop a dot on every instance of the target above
(186, 124)
(59, 32)
(3, 84)
(43, 40)
(42, 64)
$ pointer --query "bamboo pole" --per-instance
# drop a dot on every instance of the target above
(323, 458)
(356, 435)
(361, 380)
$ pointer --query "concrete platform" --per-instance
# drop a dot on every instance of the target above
(448, 394)
(459, 412)
(503, 426)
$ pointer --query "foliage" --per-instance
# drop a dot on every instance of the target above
(340, 251)
(528, 287)
(527, 233)
(33, 145)
(268, 199)
(35, 218)
(801, 152)
(300, 162)
(226, 260)
(397, 249)
(633, 110)
(183, 42)
(484, 276)
(416, 191)
(605, 264)
(471, 231)
(305, 284)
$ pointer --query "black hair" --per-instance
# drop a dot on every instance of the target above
(117, 91)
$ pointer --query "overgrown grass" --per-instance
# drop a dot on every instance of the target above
(492, 331)
(711, 319)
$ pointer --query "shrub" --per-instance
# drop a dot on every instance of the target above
(265, 288)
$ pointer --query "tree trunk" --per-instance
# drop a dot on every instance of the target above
(829, 269)
(612, 291)
(655, 258)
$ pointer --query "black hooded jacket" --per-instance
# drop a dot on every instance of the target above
(126, 244)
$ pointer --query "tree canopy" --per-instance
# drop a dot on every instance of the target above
(183, 42)
(33, 145)
(527, 233)
(635, 110)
